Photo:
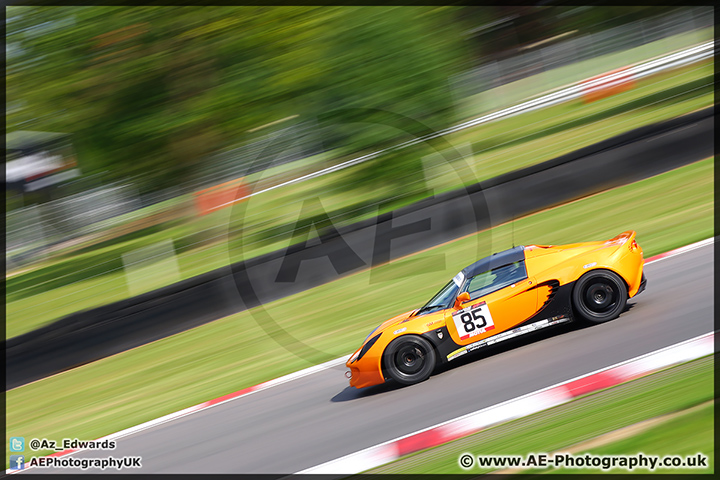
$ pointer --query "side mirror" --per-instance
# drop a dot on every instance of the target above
(462, 298)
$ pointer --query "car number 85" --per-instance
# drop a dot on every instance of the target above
(473, 321)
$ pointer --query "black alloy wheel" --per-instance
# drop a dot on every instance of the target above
(409, 359)
(599, 296)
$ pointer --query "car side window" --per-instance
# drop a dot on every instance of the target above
(495, 279)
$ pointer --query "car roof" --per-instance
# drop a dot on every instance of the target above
(495, 260)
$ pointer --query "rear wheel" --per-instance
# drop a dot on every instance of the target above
(599, 296)
(409, 359)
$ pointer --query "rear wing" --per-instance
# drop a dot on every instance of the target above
(623, 238)
(626, 238)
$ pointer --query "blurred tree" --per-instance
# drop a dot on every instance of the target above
(387, 72)
(593, 19)
(498, 31)
(151, 91)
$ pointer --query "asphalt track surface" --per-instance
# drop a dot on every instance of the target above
(318, 418)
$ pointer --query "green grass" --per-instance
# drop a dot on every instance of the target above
(667, 211)
(559, 428)
(695, 428)
(96, 277)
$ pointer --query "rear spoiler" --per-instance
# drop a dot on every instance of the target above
(623, 238)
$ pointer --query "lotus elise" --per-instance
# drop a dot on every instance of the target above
(505, 295)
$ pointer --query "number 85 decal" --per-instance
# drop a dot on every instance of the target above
(473, 321)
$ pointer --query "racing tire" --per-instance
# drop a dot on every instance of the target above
(409, 359)
(599, 296)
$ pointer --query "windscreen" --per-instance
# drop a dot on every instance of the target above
(443, 299)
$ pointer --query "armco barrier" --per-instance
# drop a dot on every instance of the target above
(87, 336)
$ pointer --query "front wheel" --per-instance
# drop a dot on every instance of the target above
(599, 296)
(409, 359)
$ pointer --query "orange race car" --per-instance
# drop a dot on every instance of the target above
(502, 296)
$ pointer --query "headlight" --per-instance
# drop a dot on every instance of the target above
(354, 356)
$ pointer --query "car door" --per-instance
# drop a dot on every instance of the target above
(493, 308)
